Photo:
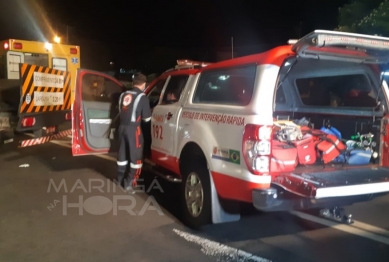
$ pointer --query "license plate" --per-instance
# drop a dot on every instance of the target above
(4, 122)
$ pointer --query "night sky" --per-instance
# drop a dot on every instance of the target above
(140, 32)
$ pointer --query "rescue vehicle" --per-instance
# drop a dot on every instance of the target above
(37, 82)
(301, 126)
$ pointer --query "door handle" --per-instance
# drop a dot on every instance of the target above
(169, 115)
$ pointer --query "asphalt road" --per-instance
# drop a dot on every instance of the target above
(89, 218)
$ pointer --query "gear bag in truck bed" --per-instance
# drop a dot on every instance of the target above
(290, 133)
(306, 151)
(284, 157)
(329, 146)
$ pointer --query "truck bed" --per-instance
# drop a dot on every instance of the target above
(346, 175)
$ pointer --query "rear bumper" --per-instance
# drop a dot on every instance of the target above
(44, 119)
(274, 199)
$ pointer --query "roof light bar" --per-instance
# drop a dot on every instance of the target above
(186, 62)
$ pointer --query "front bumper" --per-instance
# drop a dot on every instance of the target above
(275, 199)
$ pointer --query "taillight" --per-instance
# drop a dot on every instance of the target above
(6, 46)
(257, 148)
(18, 45)
(28, 121)
(68, 116)
(73, 51)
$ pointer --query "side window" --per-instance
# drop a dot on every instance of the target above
(229, 86)
(36, 59)
(174, 89)
(100, 89)
(60, 64)
(155, 93)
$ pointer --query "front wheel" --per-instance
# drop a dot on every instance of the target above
(196, 195)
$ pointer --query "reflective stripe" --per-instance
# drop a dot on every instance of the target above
(352, 190)
(290, 162)
(120, 101)
(135, 165)
(100, 121)
(136, 102)
(332, 147)
(147, 119)
(122, 163)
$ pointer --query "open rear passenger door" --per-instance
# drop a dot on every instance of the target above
(94, 109)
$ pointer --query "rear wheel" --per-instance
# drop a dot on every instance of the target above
(196, 195)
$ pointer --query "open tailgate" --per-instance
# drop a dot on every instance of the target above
(334, 45)
(336, 182)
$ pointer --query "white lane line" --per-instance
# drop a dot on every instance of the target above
(370, 228)
(222, 252)
(358, 228)
(60, 143)
(343, 227)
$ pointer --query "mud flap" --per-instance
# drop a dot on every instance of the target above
(219, 215)
(6, 131)
(6, 136)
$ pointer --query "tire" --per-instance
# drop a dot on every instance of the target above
(197, 211)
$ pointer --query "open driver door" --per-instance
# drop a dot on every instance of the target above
(94, 113)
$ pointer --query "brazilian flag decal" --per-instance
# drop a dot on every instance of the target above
(235, 156)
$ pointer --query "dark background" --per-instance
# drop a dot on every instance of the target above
(150, 35)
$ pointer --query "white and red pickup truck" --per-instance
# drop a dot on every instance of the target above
(215, 127)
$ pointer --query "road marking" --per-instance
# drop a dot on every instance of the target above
(222, 252)
(60, 143)
(362, 232)
(358, 228)
(370, 228)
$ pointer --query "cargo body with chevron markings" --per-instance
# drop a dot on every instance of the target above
(37, 83)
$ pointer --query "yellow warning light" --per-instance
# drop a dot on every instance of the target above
(57, 39)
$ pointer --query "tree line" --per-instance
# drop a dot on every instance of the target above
(365, 17)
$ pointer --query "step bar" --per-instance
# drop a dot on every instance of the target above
(152, 167)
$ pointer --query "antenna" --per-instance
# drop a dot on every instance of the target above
(232, 47)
